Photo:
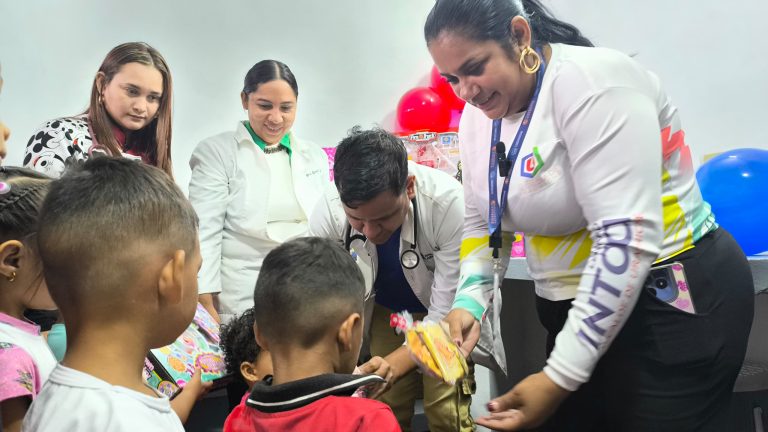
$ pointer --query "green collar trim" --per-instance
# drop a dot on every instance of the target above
(285, 142)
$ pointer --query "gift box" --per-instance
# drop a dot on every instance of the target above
(168, 369)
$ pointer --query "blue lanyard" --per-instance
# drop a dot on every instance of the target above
(496, 211)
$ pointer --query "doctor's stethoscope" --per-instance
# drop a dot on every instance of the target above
(409, 259)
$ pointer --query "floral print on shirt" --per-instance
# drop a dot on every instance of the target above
(17, 373)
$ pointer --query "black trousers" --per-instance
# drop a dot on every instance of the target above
(668, 370)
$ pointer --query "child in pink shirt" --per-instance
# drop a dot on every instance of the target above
(25, 359)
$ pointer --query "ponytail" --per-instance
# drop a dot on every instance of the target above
(483, 20)
(548, 29)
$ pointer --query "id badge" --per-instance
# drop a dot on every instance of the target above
(668, 283)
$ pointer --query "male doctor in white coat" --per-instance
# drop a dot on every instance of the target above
(403, 223)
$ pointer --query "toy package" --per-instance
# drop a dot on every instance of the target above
(168, 369)
(431, 348)
(435, 150)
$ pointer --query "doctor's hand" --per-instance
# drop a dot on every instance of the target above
(378, 366)
(464, 330)
(527, 405)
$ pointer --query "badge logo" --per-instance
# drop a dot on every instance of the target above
(531, 164)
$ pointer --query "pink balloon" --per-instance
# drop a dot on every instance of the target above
(444, 89)
(421, 109)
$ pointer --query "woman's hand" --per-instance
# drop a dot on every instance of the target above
(527, 405)
(464, 330)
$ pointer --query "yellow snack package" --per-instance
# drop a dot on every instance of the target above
(431, 348)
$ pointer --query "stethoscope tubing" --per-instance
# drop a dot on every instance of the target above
(409, 254)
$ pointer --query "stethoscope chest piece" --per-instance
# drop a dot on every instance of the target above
(409, 259)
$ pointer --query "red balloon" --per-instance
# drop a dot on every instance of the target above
(445, 90)
(421, 109)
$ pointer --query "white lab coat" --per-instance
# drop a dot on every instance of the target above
(440, 209)
(229, 189)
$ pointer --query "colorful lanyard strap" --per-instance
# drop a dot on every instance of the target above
(496, 207)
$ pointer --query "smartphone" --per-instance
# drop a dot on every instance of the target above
(668, 283)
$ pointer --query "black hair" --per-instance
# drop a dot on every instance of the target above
(239, 343)
(101, 219)
(367, 163)
(305, 287)
(22, 191)
(483, 20)
(266, 71)
(21, 196)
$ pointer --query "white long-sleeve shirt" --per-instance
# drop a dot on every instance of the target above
(603, 186)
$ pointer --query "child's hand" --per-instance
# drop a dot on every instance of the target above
(183, 403)
(378, 366)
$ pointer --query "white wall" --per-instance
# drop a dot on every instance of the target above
(355, 58)
(708, 54)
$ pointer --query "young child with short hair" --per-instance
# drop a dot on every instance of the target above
(308, 304)
(25, 359)
(119, 247)
(243, 356)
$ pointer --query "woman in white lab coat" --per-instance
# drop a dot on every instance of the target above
(253, 188)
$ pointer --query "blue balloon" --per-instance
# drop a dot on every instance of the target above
(735, 184)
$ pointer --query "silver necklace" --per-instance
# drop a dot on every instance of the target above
(273, 149)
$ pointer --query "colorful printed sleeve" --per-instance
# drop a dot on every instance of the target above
(613, 140)
(475, 289)
(18, 374)
(57, 142)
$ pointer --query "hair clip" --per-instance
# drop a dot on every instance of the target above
(4, 188)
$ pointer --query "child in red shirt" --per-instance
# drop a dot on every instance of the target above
(308, 304)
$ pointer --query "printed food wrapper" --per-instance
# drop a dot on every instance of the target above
(168, 369)
(431, 348)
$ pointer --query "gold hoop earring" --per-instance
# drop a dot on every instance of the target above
(12, 277)
(529, 52)
(101, 102)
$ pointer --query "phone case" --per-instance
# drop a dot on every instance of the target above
(669, 284)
